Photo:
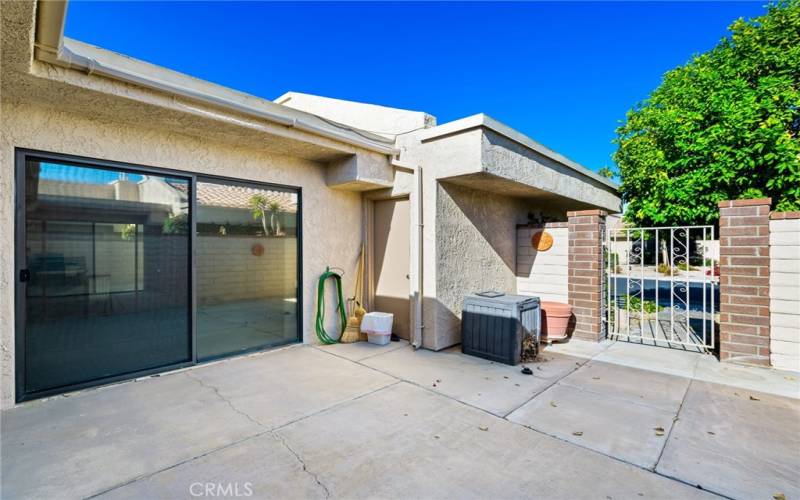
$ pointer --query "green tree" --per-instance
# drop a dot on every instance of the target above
(724, 126)
(176, 224)
(260, 207)
(606, 172)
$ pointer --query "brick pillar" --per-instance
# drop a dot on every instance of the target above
(744, 281)
(586, 272)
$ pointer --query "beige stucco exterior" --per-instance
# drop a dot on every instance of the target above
(40, 111)
(331, 222)
(470, 182)
(480, 180)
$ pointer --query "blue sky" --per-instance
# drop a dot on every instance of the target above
(562, 73)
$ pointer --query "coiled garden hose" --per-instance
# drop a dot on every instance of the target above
(322, 335)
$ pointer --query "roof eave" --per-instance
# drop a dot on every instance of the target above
(54, 48)
(484, 121)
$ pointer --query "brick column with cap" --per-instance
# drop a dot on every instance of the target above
(585, 272)
(744, 281)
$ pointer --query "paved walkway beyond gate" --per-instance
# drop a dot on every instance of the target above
(662, 286)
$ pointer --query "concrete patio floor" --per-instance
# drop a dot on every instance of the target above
(609, 420)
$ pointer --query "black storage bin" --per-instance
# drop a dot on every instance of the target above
(494, 324)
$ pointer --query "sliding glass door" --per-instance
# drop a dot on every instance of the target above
(246, 258)
(105, 273)
(127, 270)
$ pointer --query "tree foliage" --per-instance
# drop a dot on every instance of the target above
(606, 172)
(260, 207)
(724, 126)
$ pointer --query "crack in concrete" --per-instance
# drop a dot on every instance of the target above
(226, 400)
(672, 426)
(266, 430)
(653, 471)
(302, 463)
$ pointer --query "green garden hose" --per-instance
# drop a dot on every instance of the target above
(322, 335)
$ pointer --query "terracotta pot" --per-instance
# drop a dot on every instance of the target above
(555, 320)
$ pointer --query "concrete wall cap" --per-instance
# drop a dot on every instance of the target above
(784, 215)
(744, 203)
(579, 213)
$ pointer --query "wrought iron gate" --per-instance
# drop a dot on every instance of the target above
(662, 286)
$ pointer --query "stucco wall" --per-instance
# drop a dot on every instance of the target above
(543, 274)
(510, 160)
(331, 218)
(475, 251)
(784, 292)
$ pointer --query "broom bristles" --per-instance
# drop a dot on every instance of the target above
(352, 331)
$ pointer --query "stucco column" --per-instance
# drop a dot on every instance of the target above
(585, 272)
(744, 267)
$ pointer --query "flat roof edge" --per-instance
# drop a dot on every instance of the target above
(287, 96)
(481, 120)
(119, 66)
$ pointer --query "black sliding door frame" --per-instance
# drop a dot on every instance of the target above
(22, 156)
(216, 179)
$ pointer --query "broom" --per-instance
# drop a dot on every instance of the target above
(352, 333)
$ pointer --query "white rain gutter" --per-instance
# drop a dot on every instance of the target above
(50, 48)
(419, 325)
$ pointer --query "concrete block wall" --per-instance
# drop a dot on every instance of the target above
(784, 290)
(744, 281)
(228, 271)
(543, 274)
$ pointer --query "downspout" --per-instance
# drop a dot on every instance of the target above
(419, 325)
(50, 48)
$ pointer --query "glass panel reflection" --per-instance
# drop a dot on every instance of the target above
(246, 267)
(108, 255)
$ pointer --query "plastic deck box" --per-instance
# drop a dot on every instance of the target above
(493, 325)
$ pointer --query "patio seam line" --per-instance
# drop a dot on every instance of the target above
(674, 422)
(362, 364)
(690, 376)
(272, 430)
(169, 373)
(645, 469)
(286, 445)
(319, 348)
(415, 384)
(622, 398)
(652, 471)
(176, 464)
(411, 382)
(382, 352)
(335, 405)
(538, 393)
(694, 368)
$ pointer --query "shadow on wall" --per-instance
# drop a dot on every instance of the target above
(492, 215)
(442, 326)
(379, 256)
(543, 273)
(401, 322)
